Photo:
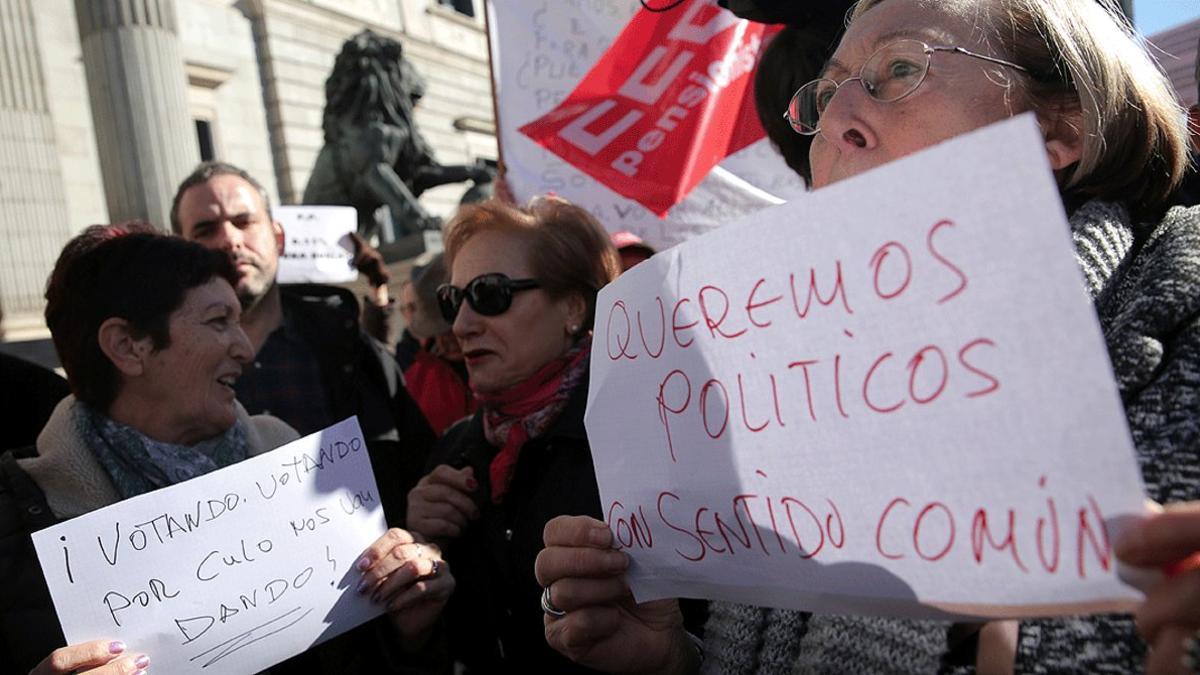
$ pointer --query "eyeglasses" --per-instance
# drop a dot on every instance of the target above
(891, 73)
(488, 294)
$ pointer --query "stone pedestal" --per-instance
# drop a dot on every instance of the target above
(138, 89)
(31, 186)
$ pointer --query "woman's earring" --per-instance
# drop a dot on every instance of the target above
(573, 329)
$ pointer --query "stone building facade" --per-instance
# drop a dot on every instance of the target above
(105, 105)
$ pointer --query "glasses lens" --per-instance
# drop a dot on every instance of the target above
(490, 294)
(896, 70)
(807, 105)
(449, 300)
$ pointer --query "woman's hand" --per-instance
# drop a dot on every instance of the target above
(98, 657)
(1168, 539)
(603, 627)
(410, 579)
(440, 506)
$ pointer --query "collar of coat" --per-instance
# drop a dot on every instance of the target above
(74, 482)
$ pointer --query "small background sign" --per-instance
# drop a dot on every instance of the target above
(317, 247)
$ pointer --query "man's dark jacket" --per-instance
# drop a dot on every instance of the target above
(361, 378)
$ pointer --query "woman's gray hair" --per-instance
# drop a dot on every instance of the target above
(1084, 54)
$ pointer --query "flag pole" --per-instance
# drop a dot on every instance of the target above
(487, 31)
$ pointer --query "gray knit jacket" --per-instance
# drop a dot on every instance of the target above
(1145, 284)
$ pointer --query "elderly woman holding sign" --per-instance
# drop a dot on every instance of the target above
(909, 74)
(147, 328)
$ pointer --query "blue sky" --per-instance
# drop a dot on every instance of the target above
(1153, 16)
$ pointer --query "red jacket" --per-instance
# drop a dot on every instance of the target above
(440, 392)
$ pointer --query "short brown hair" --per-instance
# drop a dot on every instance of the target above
(1084, 54)
(569, 250)
(131, 271)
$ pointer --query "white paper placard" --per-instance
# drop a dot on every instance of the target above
(230, 572)
(317, 247)
(889, 397)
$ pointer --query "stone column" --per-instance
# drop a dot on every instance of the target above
(34, 225)
(138, 88)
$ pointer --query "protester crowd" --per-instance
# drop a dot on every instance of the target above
(183, 355)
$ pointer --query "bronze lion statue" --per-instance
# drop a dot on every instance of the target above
(374, 155)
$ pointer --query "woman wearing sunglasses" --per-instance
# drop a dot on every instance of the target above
(906, 75)
(521, 300)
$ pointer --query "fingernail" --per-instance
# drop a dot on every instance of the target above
(363, 563)
(142, 662)
(139, 672)
(471, 484)
(116, 647)
(600, 536)
(362, 587)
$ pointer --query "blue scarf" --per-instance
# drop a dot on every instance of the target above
(138, 464)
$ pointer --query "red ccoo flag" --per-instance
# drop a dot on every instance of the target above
(665, 104)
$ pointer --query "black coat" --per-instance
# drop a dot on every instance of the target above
(494, 618)
(28, 394)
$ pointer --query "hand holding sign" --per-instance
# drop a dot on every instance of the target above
(410, 580)
(1167, 539)
(97, 657)
(604, 628)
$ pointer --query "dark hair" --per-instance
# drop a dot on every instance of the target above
(205, 172)
(130, 271)
(794, 57)
(569, 250)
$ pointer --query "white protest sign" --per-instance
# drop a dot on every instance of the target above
(889, 397)
(317, 247)
(541, 49)
(229, 572)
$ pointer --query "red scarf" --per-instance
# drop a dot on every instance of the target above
(527, 410)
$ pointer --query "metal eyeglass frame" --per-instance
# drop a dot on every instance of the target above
(929, 51)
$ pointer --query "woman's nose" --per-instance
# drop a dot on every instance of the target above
(843, 122)
(241, 350)
(467, 322)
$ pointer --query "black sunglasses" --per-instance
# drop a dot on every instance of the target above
(488, 294)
